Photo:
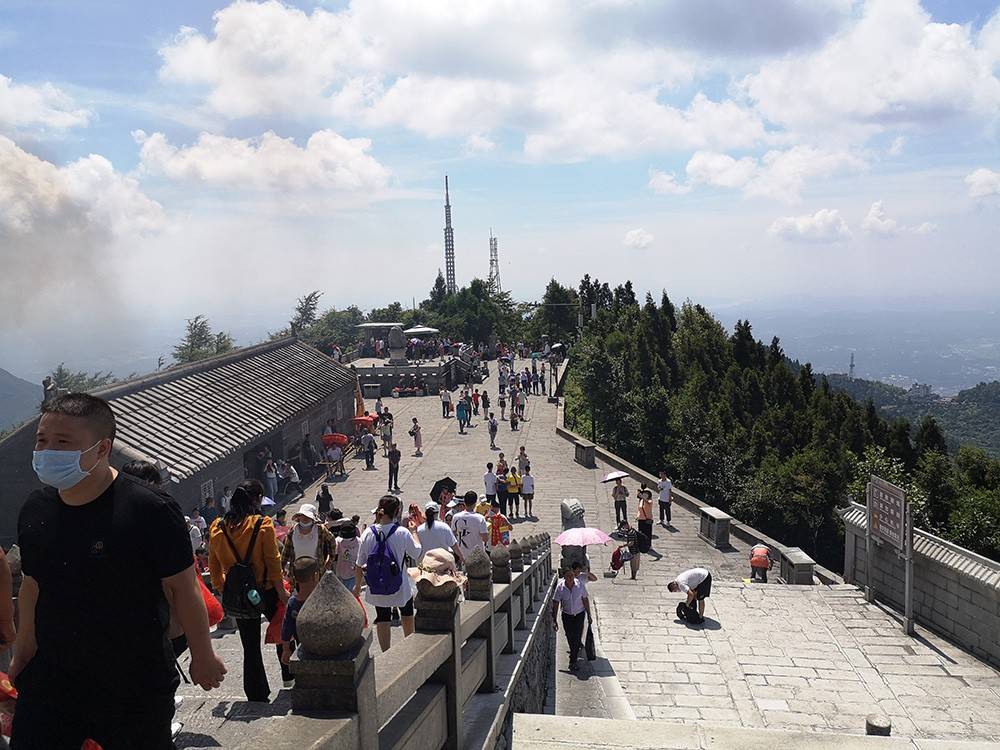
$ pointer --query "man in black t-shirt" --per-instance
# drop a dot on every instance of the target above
(100, 554)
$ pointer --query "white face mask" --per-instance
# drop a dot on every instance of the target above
(306, 526)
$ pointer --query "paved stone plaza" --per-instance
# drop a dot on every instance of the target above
(816, 658)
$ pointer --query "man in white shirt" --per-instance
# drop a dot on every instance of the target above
(490, 482)
(696, 583)
(665, 486)
(470, 528)
(571, 594)
(445, 403)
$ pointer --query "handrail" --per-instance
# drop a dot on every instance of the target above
(428, 679)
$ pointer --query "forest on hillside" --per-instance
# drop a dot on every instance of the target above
(970, 418)
(737, 423)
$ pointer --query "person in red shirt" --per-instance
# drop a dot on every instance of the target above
(500, 527)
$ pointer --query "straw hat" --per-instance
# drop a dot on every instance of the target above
(437, 574)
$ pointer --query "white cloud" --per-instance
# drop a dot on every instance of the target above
(880, 225)
(666, 184)
(44, 108)
(778, 174)
(638, 238)
(983, 182)
(826, 225)
(574, 93)
(61, 229)
(893, 67)
(896, 147)
(327, 162)
(479, 144)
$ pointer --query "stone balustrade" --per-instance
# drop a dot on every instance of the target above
(454, 683)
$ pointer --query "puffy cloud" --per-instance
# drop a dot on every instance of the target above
(574, 93)
(880, 225)
(62, 227)
(479, 144)
(721, 170)
(983, 182)
(893, 67)
(666, 184)
(327, 162)
(638, 238)
(778, 174)
(826, 225)
(42, 107)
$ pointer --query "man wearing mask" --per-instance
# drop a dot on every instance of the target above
(99, 549)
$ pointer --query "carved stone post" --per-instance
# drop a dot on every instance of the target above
(332, 666)
(500, 556)
(437, 611)
(516, 556)
(479, 569)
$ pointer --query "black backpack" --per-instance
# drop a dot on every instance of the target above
(240, 593)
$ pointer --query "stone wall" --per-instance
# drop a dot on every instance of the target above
(529, 688)
(955, 592)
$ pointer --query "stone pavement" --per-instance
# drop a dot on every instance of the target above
(815, 658)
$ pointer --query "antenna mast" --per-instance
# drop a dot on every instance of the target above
(494, 277)
(851, 374)
(449, 242)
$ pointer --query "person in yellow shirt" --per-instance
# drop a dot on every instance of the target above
(514, 491)
(483, 506)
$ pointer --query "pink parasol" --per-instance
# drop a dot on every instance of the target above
(582, 537)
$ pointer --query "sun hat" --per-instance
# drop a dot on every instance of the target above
(308, 510)
(431, 505)
(437, 569)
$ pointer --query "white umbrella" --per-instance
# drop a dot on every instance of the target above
(420, 331)
(613, 475)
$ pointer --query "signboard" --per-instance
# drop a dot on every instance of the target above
(887, 512)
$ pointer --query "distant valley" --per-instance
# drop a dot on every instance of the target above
(19, 399)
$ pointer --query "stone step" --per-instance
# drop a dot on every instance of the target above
(539, 732)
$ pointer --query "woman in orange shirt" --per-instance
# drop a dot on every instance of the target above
(230, 536)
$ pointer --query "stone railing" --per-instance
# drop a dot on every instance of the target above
(955, 592)
(454, 683)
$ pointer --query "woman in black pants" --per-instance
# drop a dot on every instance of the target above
(230, 538)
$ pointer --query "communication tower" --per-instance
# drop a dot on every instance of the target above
(494, 277)
(449, 243)
(850, 375)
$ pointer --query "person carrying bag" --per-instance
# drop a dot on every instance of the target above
(245, 563)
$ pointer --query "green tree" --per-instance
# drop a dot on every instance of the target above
(80, 381)
(305, 312)
(438, 292)
(929, 437)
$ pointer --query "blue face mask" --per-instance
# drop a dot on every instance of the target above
(60, 469)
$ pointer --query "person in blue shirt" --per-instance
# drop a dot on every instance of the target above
(305, 573)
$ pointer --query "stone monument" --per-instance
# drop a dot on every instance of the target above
(397, 347)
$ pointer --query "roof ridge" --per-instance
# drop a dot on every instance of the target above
(123, 388)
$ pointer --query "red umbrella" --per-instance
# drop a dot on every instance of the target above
(335, 438)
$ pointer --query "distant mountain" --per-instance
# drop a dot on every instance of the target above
(19, 400)
(970, 418)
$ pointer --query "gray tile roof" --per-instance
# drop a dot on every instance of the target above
(191, 416)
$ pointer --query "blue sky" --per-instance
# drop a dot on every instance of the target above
(231, 156)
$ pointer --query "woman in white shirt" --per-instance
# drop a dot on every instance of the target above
(400, 543)
(435, 534)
